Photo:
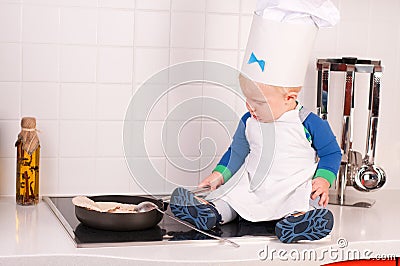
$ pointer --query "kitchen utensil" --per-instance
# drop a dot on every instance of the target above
(147, 206)
(120, 221)
(99, 218)
(347, 130)
(322, 90)
(359, 172)
(370, 176)
(355, 161)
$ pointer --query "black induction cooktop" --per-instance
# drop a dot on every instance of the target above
(167, 230)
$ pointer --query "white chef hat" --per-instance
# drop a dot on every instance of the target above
(281, 39)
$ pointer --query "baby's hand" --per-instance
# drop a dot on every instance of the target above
(320, 187)
(214, 181)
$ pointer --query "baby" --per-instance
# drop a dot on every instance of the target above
(286, 190)
(289, 154)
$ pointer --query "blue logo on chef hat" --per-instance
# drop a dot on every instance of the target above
(254, 59)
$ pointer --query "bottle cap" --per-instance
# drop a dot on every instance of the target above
(28, 122)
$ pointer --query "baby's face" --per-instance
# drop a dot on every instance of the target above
(265, 103)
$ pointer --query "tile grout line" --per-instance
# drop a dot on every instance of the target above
(133, 91)
(21, 81)
(96, 137)
(58, 188)
(202, 87)
(165, 183)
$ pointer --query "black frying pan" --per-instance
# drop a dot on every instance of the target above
(120, 221)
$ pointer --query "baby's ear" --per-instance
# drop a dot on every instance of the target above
(291, 95)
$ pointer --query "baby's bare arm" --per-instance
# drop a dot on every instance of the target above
(320, 187)
(214, 180)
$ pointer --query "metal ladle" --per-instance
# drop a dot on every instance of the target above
(370, 176)
(146, 206)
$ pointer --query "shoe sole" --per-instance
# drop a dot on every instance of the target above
(186, 207)
(313, 225)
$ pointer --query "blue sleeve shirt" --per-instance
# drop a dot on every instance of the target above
(317, 131)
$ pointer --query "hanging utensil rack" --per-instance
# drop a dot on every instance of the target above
(352, 169)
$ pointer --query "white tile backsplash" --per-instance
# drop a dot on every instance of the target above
(149, 61)
(40, 99)
(148, 175)
(219, 102)
(77, 3)
(223, 6)
(112, 176)
(40, 62)
(185, 101)
(10, 101)
(187, 29)
(153, 5)
(11, 1)
(152, 28)
(125, 4)
(114, 65)
(182, 138)
(216, 137)
(222, 31)
(10, 22)
(77, 139)
(355, 10)
(48, 176)
(180, 55)
(10, 58)
(112, 101)
(153, 141)
(75, 65)
(109, 139)
(115, 27)
(353, 39)
(41, 24)
(385, 10)
(326, 40)
(228, 57)
(245, 24)
(149, 102)
(49, 138)
(78, 63)
(182, 172)
(77, 176)
(78, 25)
(8, 136)
(78, 101)
(7, 176)
(247, 7)
(189, 5)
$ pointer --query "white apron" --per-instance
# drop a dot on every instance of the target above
(287, 163)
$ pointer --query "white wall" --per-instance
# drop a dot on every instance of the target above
(75, 64)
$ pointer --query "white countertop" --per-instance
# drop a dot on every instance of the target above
(34, 234)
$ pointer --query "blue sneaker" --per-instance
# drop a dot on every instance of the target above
(313, 225)
(196, 211)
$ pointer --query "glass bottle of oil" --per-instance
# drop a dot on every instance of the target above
(28, 154)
